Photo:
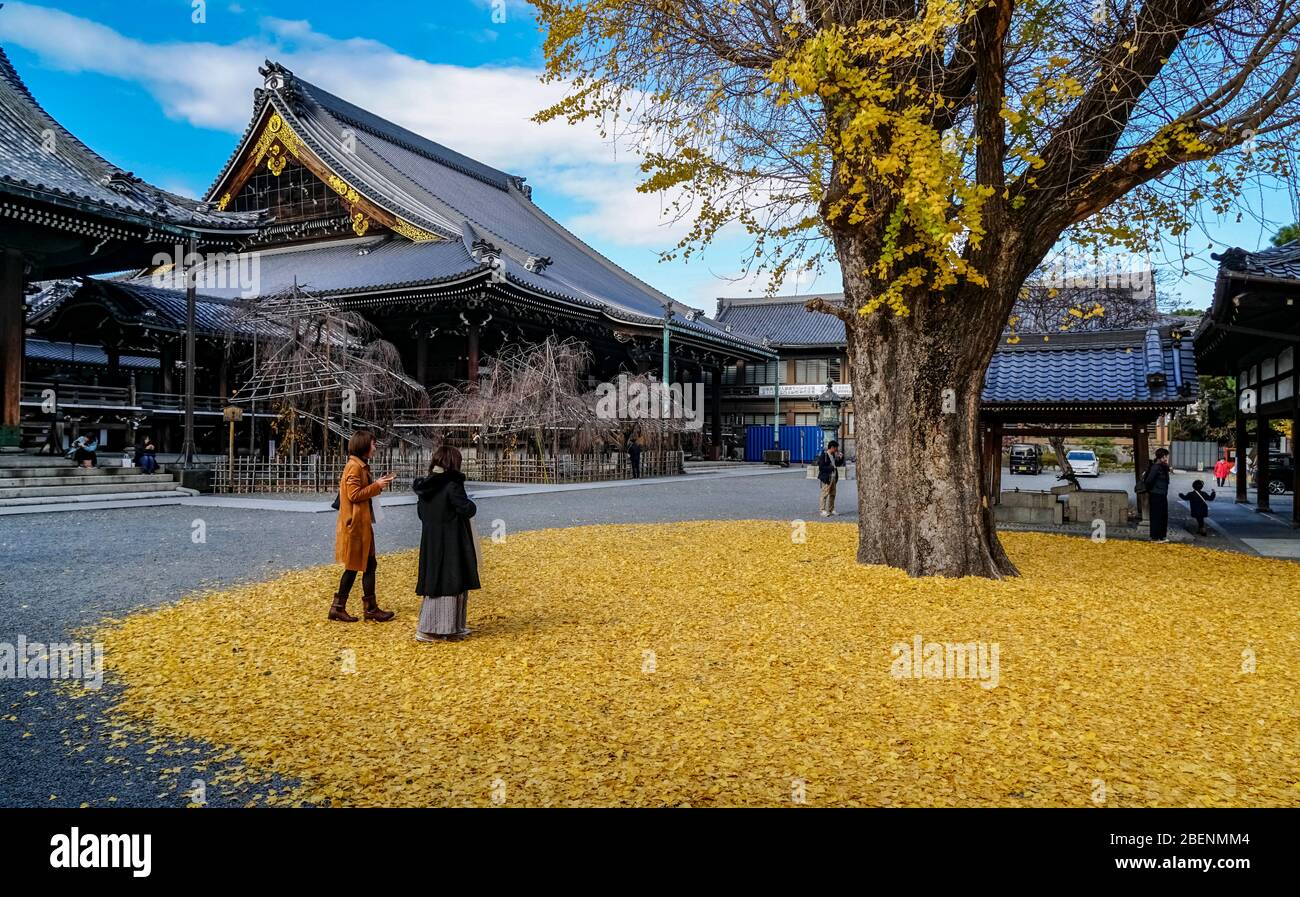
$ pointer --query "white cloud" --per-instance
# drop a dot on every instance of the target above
(483, 112)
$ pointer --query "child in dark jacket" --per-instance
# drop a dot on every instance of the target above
(1199, 502)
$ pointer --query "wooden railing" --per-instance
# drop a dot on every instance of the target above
(168, 401)
(124, 397)
(314, 474)
(76, 394)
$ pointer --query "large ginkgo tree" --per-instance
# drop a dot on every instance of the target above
(936, 152)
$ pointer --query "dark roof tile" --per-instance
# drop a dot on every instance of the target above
(455, 196)
(39, 157)
(77, 353)
(784, 320)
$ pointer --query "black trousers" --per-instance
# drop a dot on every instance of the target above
(1159, 505)
(636, 465)
(367, 580)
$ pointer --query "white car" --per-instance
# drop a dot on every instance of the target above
(1084, 462)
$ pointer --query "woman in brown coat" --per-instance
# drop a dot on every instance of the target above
(354, 537)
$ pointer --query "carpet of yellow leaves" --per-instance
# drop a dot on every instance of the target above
(1125, 677)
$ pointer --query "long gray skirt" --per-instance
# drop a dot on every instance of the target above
(442, 617)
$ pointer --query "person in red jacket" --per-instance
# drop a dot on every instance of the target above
(1221, 469)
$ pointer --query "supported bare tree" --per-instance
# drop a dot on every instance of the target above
(537, 394)
(937, 151)
(318, 362)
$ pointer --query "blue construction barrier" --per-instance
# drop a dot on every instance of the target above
(803, 443)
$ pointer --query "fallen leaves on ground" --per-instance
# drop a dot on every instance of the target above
(723, 663)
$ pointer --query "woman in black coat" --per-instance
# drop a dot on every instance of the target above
(448, 552)
(1156, 480)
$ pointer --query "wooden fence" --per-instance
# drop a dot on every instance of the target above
(317, 474)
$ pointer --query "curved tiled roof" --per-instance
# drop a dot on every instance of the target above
(1254, 309)
(785, 321)
(79, 353)
(330, 269)
(133, 302)
(41, 159)
(1119, 366)
(464, 200)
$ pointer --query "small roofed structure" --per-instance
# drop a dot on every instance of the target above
(1085, 385)
(1251, 333)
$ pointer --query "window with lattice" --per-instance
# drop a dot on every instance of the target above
(296, 195)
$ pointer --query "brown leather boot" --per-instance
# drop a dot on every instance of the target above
(339, 610)
(372, 611)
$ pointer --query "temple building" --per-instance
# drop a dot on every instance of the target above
(449, 257)
(67, 212)
(1250, 334)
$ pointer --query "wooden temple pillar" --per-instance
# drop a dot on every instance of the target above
(997, 462)
(1263, 429)
(990, 461)
(986, 468)
(715, 413)
(13, 323)
(472, 353)
(1141, 461)
(114, 353)
(1241, 443)
(223, 375)
(167, 385)
(422, 357)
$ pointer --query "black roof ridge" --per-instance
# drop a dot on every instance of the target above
(1233, 257)
(401, 206)
(392, 132)
(578, 243)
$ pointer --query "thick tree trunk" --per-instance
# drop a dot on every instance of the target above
(921, 498)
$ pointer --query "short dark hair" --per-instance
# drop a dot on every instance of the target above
(445, 456)
(1198, 484)
(833, 444)
(1161, 452)
(360, 443)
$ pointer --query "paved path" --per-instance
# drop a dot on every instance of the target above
(1231, 526)
(313, 504)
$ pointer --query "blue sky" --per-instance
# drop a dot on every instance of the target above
(166, 97)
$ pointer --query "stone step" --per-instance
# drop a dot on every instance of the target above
(87, 502)
(77, 482)
(9, 473)
(111, 486)
(20, 460)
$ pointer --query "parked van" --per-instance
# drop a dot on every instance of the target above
(1026, 457)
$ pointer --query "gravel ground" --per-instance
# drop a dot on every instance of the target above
(68, 571)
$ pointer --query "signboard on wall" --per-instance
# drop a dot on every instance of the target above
(805, 390)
